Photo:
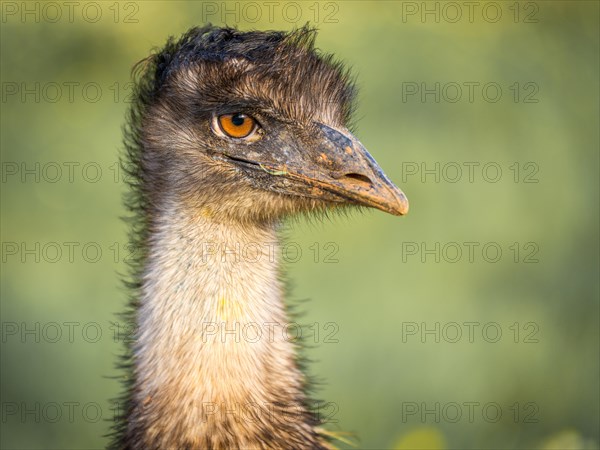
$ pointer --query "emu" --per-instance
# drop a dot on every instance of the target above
(230, 133)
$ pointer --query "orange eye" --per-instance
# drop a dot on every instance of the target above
(237, 125)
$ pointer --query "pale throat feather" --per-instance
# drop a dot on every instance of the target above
(210, 324)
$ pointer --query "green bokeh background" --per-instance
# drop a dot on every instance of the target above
(375, 288)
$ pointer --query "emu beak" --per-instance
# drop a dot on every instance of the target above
(342, 166)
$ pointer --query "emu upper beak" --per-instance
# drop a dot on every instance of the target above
(341, 165)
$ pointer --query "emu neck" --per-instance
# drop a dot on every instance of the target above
(213, 365)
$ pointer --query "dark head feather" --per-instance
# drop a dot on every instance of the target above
(287, 66)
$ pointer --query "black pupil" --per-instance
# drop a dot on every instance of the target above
(238, 119)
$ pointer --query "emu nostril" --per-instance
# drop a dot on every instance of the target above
(358, 178)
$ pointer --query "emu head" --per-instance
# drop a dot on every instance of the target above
(253, 126)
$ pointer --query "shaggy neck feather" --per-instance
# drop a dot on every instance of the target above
(213, 367)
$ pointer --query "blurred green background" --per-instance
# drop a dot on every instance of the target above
(532, 113)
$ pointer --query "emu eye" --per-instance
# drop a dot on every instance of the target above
(237, 125)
